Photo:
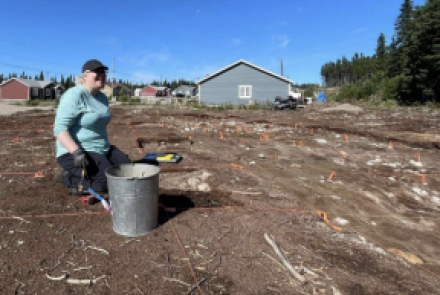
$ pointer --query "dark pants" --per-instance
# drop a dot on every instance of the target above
(95, 174)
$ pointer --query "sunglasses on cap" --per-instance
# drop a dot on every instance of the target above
(99, 71)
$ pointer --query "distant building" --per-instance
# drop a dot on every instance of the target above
(107, 90)
(243, 83)
(185, 91)
(27, 89)
(137, 92)
(120, 90)
(155, 91)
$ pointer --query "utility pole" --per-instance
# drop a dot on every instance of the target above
(282, 72)
(113, 75)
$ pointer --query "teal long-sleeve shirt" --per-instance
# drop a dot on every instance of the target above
(85, 117)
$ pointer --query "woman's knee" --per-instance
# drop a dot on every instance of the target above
(116, 156)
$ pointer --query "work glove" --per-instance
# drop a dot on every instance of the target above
(80, 159)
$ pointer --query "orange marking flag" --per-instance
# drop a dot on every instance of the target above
(324, 217)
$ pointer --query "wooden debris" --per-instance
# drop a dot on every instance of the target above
(177, 281)
(85, 281)
(97, 249)
(284, 260)
(196, 285)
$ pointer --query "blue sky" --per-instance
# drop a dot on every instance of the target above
(189, 39)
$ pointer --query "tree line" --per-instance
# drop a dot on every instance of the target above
(407, 70)
(69, 81)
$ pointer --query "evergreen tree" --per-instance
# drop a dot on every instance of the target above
(381, 53)
(393, 65)
(41, 78)
(403, 21)
(421, 56)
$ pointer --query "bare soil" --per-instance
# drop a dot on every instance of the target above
(244, 174)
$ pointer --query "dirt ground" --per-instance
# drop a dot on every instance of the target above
(373, 176)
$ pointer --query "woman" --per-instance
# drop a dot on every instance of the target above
(80, 128)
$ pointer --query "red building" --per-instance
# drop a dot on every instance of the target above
(154, 91)
(26, 89)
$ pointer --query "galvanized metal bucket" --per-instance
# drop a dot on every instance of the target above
(134, 197)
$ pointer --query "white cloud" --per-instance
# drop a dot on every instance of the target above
(282, 23)
(359, 30)
(109, 40)
(237, 41)
(153, 56)
(281, 40)
(199, 72)
(144, 77)
(146, 58)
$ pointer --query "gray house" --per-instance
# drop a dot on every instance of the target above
(241, 83)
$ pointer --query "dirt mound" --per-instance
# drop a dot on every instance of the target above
(344, 108)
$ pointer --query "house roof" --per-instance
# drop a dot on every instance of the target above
(118, 85)
(159, 88)
(242, 61)
(30, 83)
(186, 87)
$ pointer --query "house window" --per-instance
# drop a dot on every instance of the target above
(245, 91)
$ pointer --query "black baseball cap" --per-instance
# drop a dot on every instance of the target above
(92, 65)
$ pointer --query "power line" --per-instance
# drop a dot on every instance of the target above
(27, 68)
(36, 60)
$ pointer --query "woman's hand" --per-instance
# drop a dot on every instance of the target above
(80, 159)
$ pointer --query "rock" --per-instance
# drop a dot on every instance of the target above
(321, 141)
(187, 129)
(205, 175)
(420, 192)
(407, 256)
(436, 200)
(335, 197)
(194, 181)
(204, 187)
(416, 164)
(252, 163)
(262, 156)
(339, 161)
(341, 221)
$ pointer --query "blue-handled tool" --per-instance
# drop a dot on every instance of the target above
(104, 203)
